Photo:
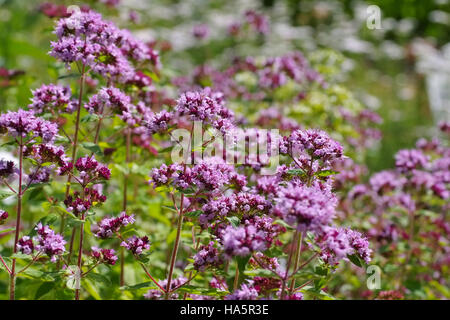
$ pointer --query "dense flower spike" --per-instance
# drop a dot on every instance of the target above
(136, 245)
(52, 98)
(109, 226)
(23, 123)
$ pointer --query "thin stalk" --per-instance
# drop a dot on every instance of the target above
(236, 277)
(80, 250)
(124, 204)
(74, 154)
(174, 251)
(298, 252)
(12, 282)
(288, 266)
(4, 263)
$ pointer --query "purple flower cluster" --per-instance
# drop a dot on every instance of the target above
(112, 100)
(22, 123)
(154, 294)
(315, 143)
(241, 202)
(109, 226)
(200, 31)
(208, 106)
(79, 204)
(25, 245)
(46, 241)
(158, 122)
(86, 38)
(136, 245)
(89, 170)
(257, 21)
(243, 240)
(305, 208)
(337, 243)
(207, 256)
(208, 175)
(51, 98)
(407, 160)
(245, 292)
(48, 153)
(107, 256)
(6, 168)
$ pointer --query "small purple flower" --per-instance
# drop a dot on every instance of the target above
(22, 123)
(159, 122)
(49, 242)
(51, 98)
(200, 31)
(407, 160)
(106, 256)
(207, 256)
(6, 168)
(315, 143)
(25, 245)
(109, 226)
(3, 216)
(208, 106)
(244, 240)
(112, 100)
(305, 208)
(245, 292)
(136, 245)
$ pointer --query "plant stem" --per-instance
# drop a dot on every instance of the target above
(12, 283)
(80, 250)
(124, 204)
(236, 277)
(288, 266)
(74, 154)
(298, 252)
(4, 263)
(175, 250)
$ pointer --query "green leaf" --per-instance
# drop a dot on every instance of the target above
(44, 288)
(97, 278)
(235, 221)
(296, 172)
(92, 147)
(356, 260)
(168, 149)
(143, 285)
(326, 173)
(5, 194)
(193, 214)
